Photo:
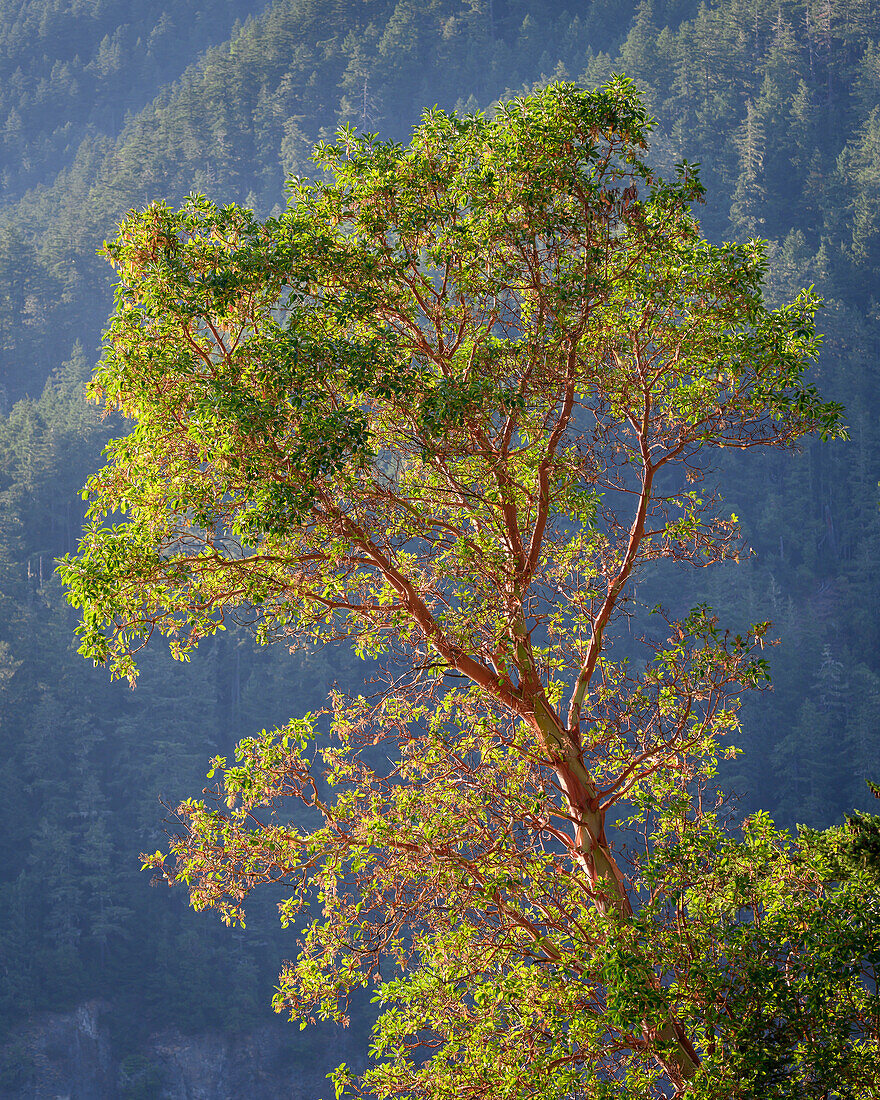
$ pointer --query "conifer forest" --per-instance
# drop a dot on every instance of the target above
(749, 119)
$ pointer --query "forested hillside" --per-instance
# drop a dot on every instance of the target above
(105, 106)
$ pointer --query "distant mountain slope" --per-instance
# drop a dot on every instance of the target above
(781, 104)
(74, 67)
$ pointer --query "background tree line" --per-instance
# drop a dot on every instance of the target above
(104, 107)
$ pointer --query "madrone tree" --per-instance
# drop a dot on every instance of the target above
(449, 406)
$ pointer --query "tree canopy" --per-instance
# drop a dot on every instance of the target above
(452, 405)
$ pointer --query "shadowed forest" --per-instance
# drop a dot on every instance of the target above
(107, 105)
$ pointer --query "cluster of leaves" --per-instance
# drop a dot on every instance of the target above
(447, 888)
(421, 294)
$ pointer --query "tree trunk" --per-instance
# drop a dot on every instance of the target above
(593, 852)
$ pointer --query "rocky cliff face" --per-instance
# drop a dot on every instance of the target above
(72, 1056)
